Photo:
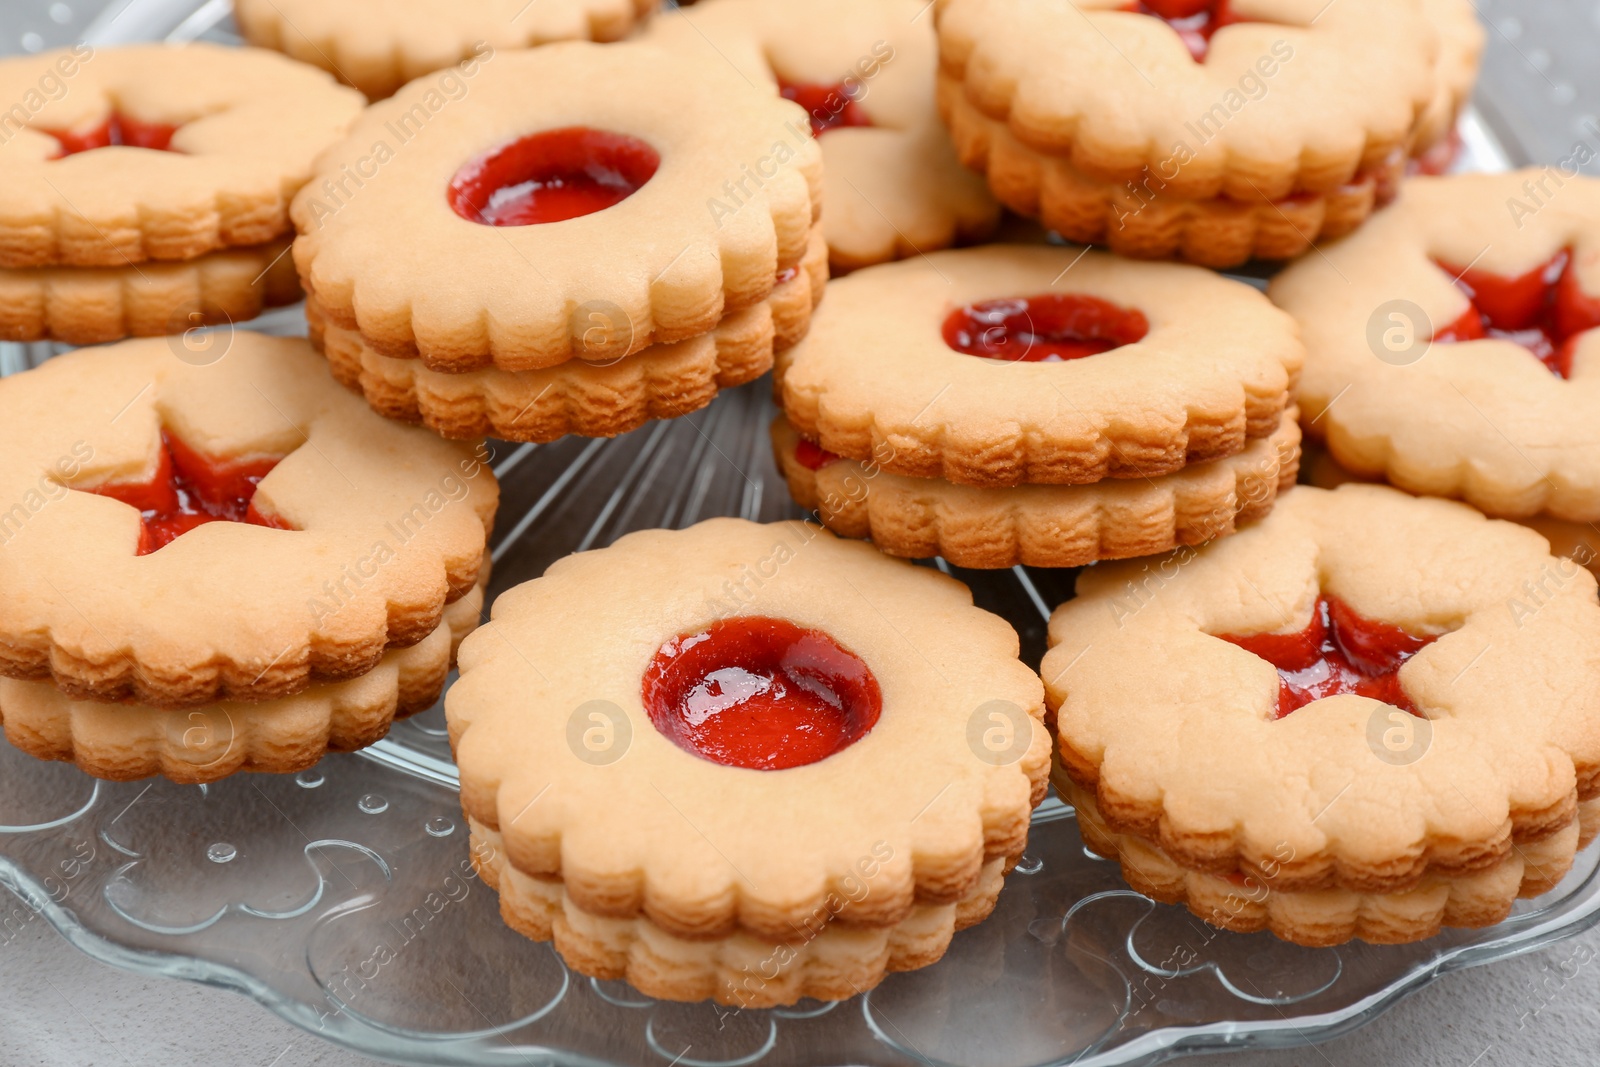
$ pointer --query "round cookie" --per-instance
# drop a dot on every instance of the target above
(379, 45)
(82, 185)
(583, 180)
(1395, 743)
(619, 718)
(1488, 397)
(1190, 367)
(1244, 128)
(864, 69)
(186, 526)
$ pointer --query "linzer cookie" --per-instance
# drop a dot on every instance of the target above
(1340, 724)
(619, 719)
(183, 527)
(1207, 131)
(864, 70)
(589, 201)
(1451, 344)
(1007, 364)
(379, 45)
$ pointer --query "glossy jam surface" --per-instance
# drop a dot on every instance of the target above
(190, 490)
(1193, 20)
(1339, 652)
(117, 130)
(831, 107)
(552, 176)
(812, 456)
(1049, 328)
(1543, 310)
(760, 693)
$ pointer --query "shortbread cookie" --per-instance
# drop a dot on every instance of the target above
(189, 525)
(379, 45)
(822, 960)
(618, 720)
(577, 397)
(619, 189)
(156, 152)
(1038, 525)
(92, 305)
(864, 70)
(128, 741)
(1498, 409)
(1320, 917)
(1006, 364)
(1288, 125)
(1418, 728)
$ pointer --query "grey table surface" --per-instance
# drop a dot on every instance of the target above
(1540, 91)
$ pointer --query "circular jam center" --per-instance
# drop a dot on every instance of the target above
(1043, 329)
(552, 176)
(1543, 310)
(760, 693)
(831, 107)
(117, 130)
(1194, 21)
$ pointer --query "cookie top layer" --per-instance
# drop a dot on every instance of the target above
(876, 381)
(379, 45)
(1174, 728)
(248, 125)
(386, 523)
(730, 205)
(1298, 96)
(1483, 420)
(865, 68)
(634, 824)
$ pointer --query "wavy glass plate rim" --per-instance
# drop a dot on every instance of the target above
(1576, 911)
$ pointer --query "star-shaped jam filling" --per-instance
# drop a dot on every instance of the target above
(1338, 652)
(189, 490)
(1194, 21)
(116, 130)
(831, 107)
(1544, 310)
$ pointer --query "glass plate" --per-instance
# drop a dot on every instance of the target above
(342, 899)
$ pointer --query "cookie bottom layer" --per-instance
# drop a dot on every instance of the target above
(123, 742)
(1143, 221)
(1042, 525)
(830, 961)
(1318, 918)
(588, 399)
(93, 305)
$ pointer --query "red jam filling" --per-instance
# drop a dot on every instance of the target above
(1440, 158)
(831, 107)
(116, 130)
(552, 176)
(1339, 652)
(1543, 310)
(190, 490)
(1050, 328)
(813, 456)
(1193, 20)
(760, 693)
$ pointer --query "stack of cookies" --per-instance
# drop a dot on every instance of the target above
(981, 430)
(219, 566)
(657, 239)
(146, 189)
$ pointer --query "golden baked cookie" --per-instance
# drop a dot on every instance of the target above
(1212, 132)
(618, 719)
(379, 45)
(93, 305)
(128, 741)
(598, 399)
(116, 156)
(864, 71)
(1007, 364)
(1038, 525)
(581, 181)
(182, 526)
(1418, 728)
(1451, 343)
